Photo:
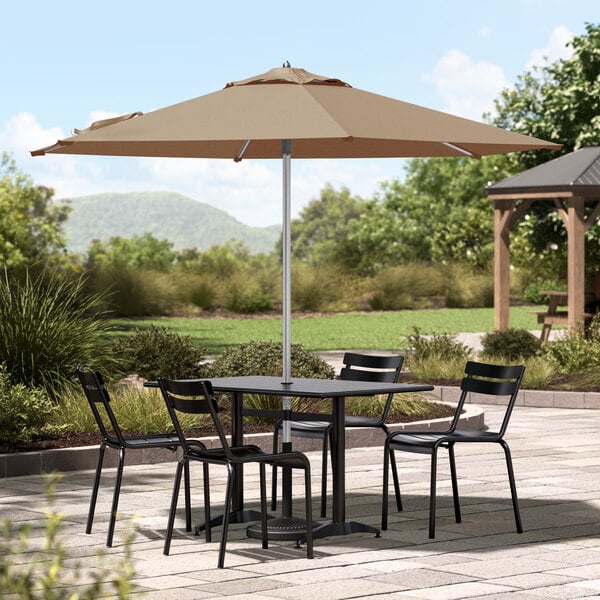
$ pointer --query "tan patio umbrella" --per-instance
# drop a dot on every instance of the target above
(290, 112)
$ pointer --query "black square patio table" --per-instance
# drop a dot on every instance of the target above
(335, 389)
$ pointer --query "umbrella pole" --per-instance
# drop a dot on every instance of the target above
(286, 153)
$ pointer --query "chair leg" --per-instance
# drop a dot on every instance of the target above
(396, 481)
(207, 526)
(324, 476)
(513, 487)
(263, 506)
(173, 509)
(432, 492)
(309, 519)
(225, 530)
(274, 479)
(94, 497)
(115, 502)
(457, 515)
(188, 499)
(384, 502)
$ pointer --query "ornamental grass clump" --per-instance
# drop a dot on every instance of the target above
(49, 325)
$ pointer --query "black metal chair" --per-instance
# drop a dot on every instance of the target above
(481, 378)
(357, 367)
(112, 437)
(196, 397)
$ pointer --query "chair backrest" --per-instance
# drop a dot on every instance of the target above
(367, 367)
(97, 395)
(192, 397)
(492, 380)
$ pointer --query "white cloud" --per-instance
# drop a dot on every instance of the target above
(466, 86)
(555, 49)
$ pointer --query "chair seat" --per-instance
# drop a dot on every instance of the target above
(250, 453)
(151, 441)
(426, 441)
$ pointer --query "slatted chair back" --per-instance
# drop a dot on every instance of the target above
(492, 380)
(365, 367)
(99, 400)
(193, 397)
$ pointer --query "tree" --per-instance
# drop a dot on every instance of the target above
(30, 224)
(323, 225)
(558, 102)
(139, 252)
(439, 213)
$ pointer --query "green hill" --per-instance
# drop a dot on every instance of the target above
(166, 215)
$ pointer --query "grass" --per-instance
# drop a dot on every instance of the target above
(384, 330)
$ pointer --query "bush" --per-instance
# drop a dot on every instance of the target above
(576, 353)
(157, 351)
(266, 358)
(48, 325)
(133, 292)
(532, 294)
(442, 345)
(438, 356)
(512, 344)
(314, 289)
(401, 287)
(248, 300)
(465, 289)
(25, 413)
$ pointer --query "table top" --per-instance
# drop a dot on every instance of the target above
(311, 388)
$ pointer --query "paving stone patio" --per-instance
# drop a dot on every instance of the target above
(557, 464)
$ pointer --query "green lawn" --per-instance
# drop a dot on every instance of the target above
(374, 330)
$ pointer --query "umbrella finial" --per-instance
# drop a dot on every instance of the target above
(286, 64)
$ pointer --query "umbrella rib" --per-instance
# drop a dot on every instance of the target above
(461, 150)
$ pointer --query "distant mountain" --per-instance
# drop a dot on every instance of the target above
(166, 215)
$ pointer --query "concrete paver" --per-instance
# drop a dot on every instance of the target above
(557, 465)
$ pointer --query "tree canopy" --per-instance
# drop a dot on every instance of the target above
(30, 224)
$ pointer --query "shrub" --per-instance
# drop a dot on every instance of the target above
(48, 325)
(512, 344)
(25, 413)
(532, 294)
(402, 287)
(132, 292)
(465, 289)
(576, 353)
(157, 351)
(314, 288)
(266, 358)
(248, 300)
(436, 345)
(438, 356)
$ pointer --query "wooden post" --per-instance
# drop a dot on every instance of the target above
(576, 261)
(502, 213)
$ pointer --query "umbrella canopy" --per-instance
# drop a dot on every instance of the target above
(261, 117)
(325, 117)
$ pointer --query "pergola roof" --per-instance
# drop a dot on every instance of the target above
(577, 173)
(571, 181)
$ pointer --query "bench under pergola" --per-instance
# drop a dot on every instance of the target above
(570, 181)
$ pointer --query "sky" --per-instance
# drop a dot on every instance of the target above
(67, 63)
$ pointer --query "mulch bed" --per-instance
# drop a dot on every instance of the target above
(73, 440)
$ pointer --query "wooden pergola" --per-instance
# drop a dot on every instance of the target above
(570, 181)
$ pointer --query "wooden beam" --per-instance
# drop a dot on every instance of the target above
(576, 261)
(503, 210)
(592, 216)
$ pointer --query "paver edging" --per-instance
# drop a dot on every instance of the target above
(86, 457)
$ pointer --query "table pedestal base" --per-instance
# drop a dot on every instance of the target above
(281, 529)
(237, 516)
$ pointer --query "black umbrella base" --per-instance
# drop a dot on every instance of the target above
(281, 529)
(292, 528)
